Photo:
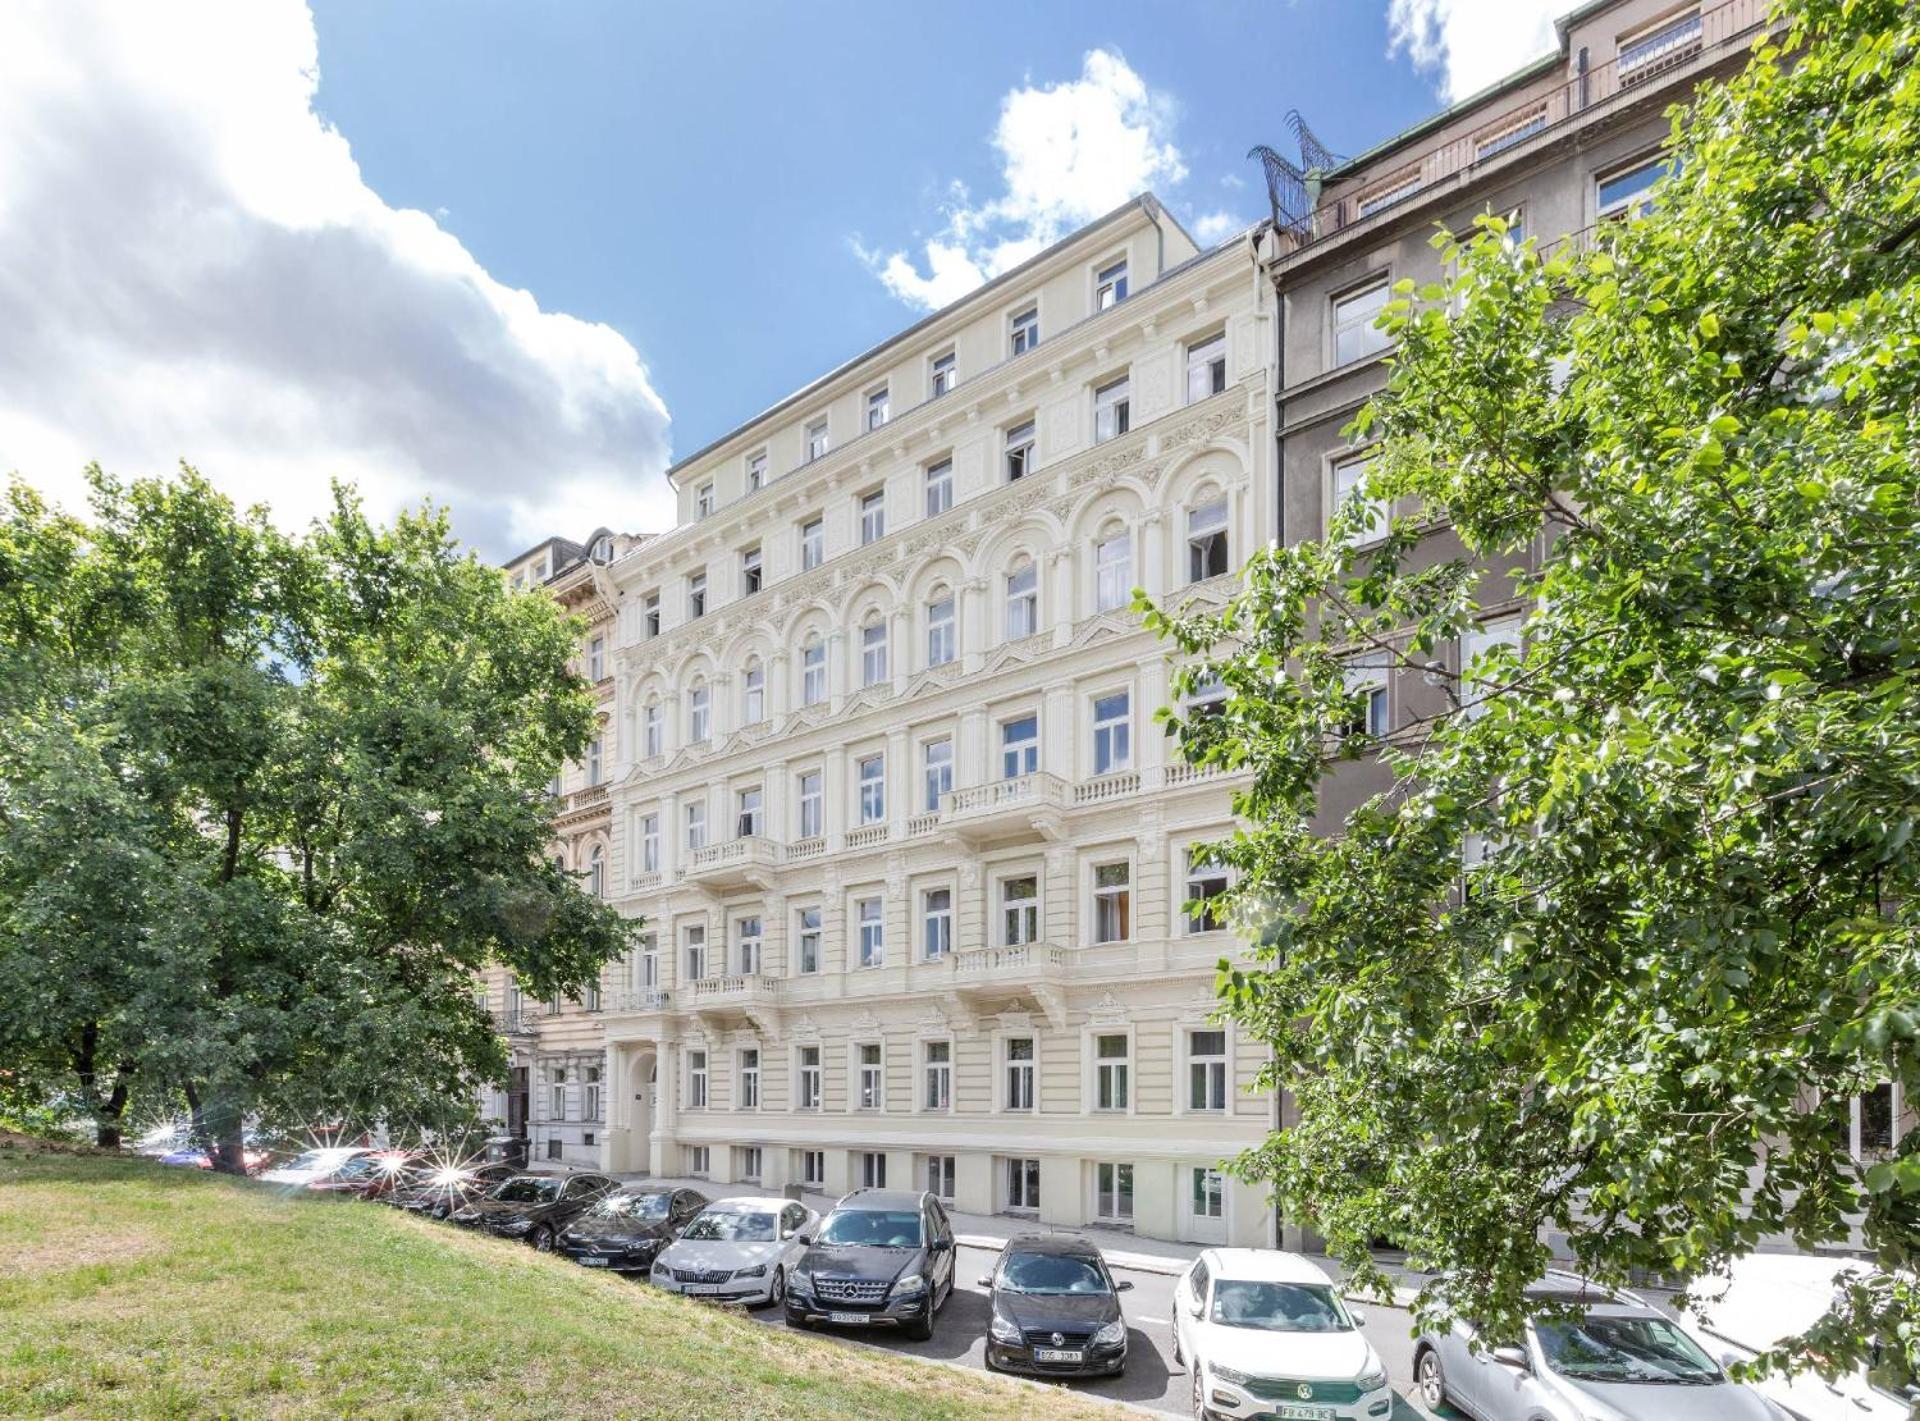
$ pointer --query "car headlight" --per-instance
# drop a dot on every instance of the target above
(517, 1226)
(1113, 1333)
(1373, 1380)
(1003, 1329)
(660, 1271)
(1228, 1374)
(757, 1271)
(908, 1286)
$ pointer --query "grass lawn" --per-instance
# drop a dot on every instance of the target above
(129, 1289)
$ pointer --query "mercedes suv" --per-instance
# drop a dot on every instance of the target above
(881, 1258)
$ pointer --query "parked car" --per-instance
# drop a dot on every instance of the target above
(881, 1258)
(193, 1157)
(626, 1230)
(373, 1172)
(1591, 1352)
(315, 1166)
(534, 1207)
(1056, 1309)
(736, 1250)
(1266, 1333)
(440, 1191)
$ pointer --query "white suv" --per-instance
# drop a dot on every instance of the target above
(1264, 1333)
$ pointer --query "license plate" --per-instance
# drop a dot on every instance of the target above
(1290, 1412)
(854, 1319)
(703, 1290)
(592, 1262)
(1057, 1354)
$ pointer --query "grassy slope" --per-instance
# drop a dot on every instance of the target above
(127, 1289)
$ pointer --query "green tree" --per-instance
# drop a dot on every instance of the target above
(1636, 918)
(268, 803)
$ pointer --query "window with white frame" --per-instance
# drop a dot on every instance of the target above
(1476, 688)
(1365, 678)
(1209, 1197)
(1019, 457)
(936, 1076)
(1388, 193)
(1019, 1068)
(1113, 1192)
(650, 843)
(813, 544)
(1207, 551)
(1628, 192)
(817, 442)
(937, 770)
(938, 1177)
(942, 632)
(936, 923)
(873, 652)
(747, 1163)
(873, 932)
(1511, 132)
(753, 695)
(813, 818)
(749, 822)
(750, 571)
(590, 1106)
(696, 595)
(696, 1080)
(698, 1161)
(1024, 330)
(653, 729)
(871, 1087)
(1112, 733)
(557, 1091)
(703, 500)
(1112, 1068)
(602, 549)
(646, 968)
(1206, 367)
(1023, 1185)
(813, 1167)
(1019, 910)
(1112, 901)
(873, 516)
(597, 659)
(593, 761)
(813, 670)
(756, 471)
(1658, 45)
(873, 1169)
(873, 789)
(1113, 572)
(1367, 513)
(807, 1079)
(1354, 313)
(1023, 599)
(697, 825)
(944, 374)
(1207, 1069)
(1110, 286)
(597, 872)
(1112, 410)
(696, 952)
(650, 615)
(1019, 746)
(878, 407)
(699, 714)
(1871, 1122)
(749, 1078)
(747, 939)
(807, 923)
(939, 487)
(1205, 883)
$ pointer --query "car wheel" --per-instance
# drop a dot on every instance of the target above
(777, 1289)
(542, 1239)
(1430, 1379)
(1200, 1412)
(921, 1330)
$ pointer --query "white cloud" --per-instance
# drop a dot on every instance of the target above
(1471, 43)
(1212, 228)
(194, 268)
(1069, 152)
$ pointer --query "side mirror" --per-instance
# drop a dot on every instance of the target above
(1514, 1357)
(807, 1239)
(987, 1282)
(1359, 1316)
(941, 1245)
(1121, 1285)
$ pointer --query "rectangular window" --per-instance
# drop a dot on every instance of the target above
(696, 595)
(593, 761)
(1112, 902)
(1367, 513)
(813, 1167)
(1509, 133)
(873, 1169)
(1207, 1069)
(1112, 1056)
(1113, 1193)
(746, 936)
(939, 487)
(1111, 407)
(1207, 541)
(1019, 747)
(938, 775)
(696, 1080)
(696, 826)
(1023, 601)
(873, 654)
(873, 789)
(817, 443)
(1110, 286)
(1113, 573)
(936, 918)
(1209, 1194)
(1112, 733)
(941, 638)
(937, 1077)
(939, 1177)
(873, 516)
(808, 923)
(750, 571)
(813, 544)
(1023, 1184)
(1628, 192)
(591, 1109)
(873, 932)
(748, 1166)
(813, 671)
(1366, 681)
(653, 730)
(1658, 45)
(750, 1079)
(747, 824)
(812, 806)
(1019, 451)
(1354, 333)
(597, 659)
(696, 944)
(946, 374)
(650, 843)
(1026, 330)
(697, 1161)
(650, 615)
(1477, 689)
(807, 1087)
(757, 471)
(647, 970)
(557, 1105)
(1206, 367)
(1019, 911)
(877, 408)
(699, 715)
(1019, 1073)
(754, 702)
(872, 1089)
(1389, 193)
(1205, 883)
(703, 500)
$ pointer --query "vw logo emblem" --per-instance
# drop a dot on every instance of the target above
(1058, 1338)
(1305, 1391)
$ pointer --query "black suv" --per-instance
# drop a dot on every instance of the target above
(882, 1258)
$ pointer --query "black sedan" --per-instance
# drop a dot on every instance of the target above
(534, 1207)
(1056, 1309)
(624, 1231)
(439, 1192)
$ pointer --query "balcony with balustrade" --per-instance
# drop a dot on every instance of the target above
(746, 862)
(1038, 970)
(1025, 807)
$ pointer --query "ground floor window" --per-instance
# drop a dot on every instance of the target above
(938, 1176)
(1113, 1193)
(697, 1161)
(747, 1162)
(1023, 1184)
(813, 1167)
(1209, 1194)
(873, 1169)
(553, 1149)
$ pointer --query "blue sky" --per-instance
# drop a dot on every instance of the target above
(512, 257)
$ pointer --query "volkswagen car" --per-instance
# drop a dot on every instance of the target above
(882, 1258)
(1056, 1309)
(534, 1207)
(1266, 1333)
(626, 1230)
(736, 1251)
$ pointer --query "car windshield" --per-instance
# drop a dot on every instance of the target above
(632, 1206)
(363, 1167)
(528, 1190)
(1601, 1348)
(1056, 1273)
(1279, 1307)
(874, 1228)
(730, 1226)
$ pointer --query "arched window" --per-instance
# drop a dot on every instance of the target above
(813, 671)
(699, 714)
(597, 873)
(943, 640)
(873, 651)
(1023, 599)
(1112, 570)
(754, 680)
(602, 550)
